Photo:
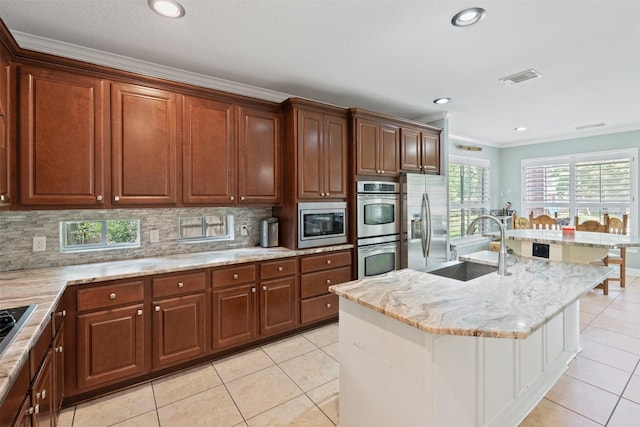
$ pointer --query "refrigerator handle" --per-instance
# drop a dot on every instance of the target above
(426, 225)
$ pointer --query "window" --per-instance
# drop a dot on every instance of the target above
(587, 185)
(205, 228)
(81, 236)
(468, 192)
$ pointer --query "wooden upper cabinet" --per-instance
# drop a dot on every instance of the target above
(420, 151)
(63, 138)
(322, 155)
(144, 139)
(208, 151)
(377, 148)
(259, 156)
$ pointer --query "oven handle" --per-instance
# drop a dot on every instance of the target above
(378, 246)
(378, 196)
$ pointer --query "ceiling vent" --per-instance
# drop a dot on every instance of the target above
(520, 77)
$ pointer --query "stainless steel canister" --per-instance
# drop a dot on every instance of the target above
(268, 232)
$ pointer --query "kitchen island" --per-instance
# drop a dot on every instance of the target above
(417, 349)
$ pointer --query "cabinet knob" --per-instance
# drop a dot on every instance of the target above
(112, 296)
(253, 290)
(62, 313)
(30, 411)
(264, 288)
(231, 198)
(381, 171)
(116, 199)
(328, 305)
(327, 194)
(322, 194)
(241, 197)
(4, 198)
(59, 349)
(99, 197)
(280, 268)
(235, 276)
(328, 261)
(378, 171)
(180, 285)
(36, 409)
(328, 281)
(157, 308)
(140, 312)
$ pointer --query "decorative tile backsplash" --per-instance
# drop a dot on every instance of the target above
(18, 228)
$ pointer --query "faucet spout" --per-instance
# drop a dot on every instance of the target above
(502, 254)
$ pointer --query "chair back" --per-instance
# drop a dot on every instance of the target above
(617, 225)
(591, 225)
(544, 222)
(520, 223)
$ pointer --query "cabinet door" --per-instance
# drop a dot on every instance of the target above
(310, 160)
(143, 138)
(367, 147)
(278, 305)
(389, 150)
(58, 371)
(259, 156)
(234, 316)
(42, 395)
(5, 150)
(431, 153)
(25, 415)
(62, 138)
(208, 152)
(110, 345)
(335, 157)
(178, 329)
(410, 150)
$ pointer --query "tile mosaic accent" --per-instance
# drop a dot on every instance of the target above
(19, 228)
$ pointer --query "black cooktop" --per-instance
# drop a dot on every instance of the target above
(11, 320)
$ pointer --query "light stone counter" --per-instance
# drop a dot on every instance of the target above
(45, 287)
(514, 306)
(579, 238)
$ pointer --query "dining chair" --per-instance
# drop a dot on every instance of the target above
(520, 223)
(544, 222)
(594, 226)
(618, 256)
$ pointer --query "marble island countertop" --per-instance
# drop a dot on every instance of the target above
(579, 238)
(44, 287)
(495, 306)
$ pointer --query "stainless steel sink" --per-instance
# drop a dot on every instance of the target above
(464, 270)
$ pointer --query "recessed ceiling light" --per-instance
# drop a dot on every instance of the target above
(520, 129)
(467, 17)
(168, 8)
(441, 100)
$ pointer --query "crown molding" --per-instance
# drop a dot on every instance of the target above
(120, 62)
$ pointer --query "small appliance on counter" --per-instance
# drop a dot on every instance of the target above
(268, 232)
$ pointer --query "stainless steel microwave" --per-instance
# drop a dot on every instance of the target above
(322, 224)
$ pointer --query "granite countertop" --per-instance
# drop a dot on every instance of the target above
(45, 287)
(495, 306)
(579, 238)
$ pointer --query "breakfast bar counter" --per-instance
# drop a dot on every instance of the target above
(423, 350)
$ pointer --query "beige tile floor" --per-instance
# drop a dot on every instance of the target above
(294, 382)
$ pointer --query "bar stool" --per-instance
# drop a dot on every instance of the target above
(544, 222)
(596, 227)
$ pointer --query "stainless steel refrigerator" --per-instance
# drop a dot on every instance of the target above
(424, 238)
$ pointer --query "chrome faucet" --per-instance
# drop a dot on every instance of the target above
(502, 254)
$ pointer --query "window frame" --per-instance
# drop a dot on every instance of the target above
(484, 206)
(229, 223)
(103, 245)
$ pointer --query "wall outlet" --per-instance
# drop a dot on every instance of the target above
(39, 244)
(244, 231)
(154, 236)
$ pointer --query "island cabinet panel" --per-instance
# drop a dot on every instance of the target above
(322, 155)
(259, 156)
(6, 150)
(63, 139)
(144, 138)
(179, 329)
(377, 148)
(419, 150)
(209, 158)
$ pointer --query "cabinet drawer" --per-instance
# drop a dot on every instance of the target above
(312, 284)
(39, 350)
(110, 295)
(279, 268)
(235, 275)
(325, 261)
(318, 308)
(178, 284)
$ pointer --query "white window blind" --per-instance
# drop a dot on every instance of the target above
(547, 184)
(468, 192)
(603, 181)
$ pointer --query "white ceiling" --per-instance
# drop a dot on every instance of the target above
(390, 56)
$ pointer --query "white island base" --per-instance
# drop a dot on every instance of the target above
(395, 375)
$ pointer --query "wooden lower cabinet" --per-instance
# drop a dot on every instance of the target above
(278, 305)
(234, 316)
(42, 393)
(110, 345)
(318, 273)
(179, 330)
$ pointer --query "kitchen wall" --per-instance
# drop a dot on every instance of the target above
(19, 228)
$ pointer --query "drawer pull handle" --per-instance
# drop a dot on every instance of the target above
(328, 305)
(99, 197)
(328, 261)
(280, 268)
(235, 276)
(116, 199)
(157, 308)
(241, 197)
(231, 198)
(264, 288)
(328, 281)
(253, 290)
(112, 296)
(139, 312)
(180, 285)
